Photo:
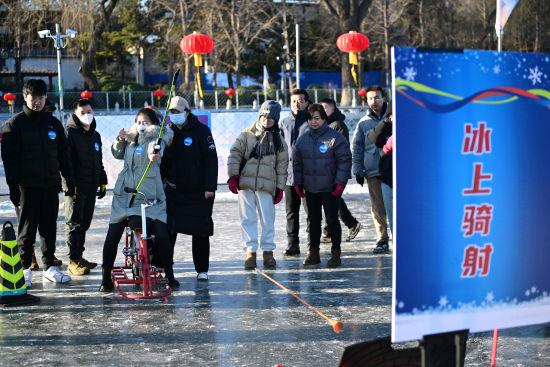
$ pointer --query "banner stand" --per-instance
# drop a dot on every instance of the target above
(445, 349)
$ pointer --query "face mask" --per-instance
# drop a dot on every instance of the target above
(141, 129)
(86, 119)
(178, 118)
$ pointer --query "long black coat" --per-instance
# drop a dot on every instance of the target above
(34, 151)
(336, 122)
(86, 155)
(189, 168)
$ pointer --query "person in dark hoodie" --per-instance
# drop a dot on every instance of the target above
(90, 179)
(290, 128)
(190, 172)
(336, 121)
(322, 166)
(34, 152)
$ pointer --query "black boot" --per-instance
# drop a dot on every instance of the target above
(172, 281)
(312, 257)
(335, 260)
(106, 280)
(292, 250)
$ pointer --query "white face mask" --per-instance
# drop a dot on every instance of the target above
(141, 129)
(178, 118)
(86, 119)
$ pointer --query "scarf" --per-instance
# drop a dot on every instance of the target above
(268, 141)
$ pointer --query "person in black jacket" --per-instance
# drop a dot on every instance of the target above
(34, 152)
(322, 168)
(84, 144)
(336, 121)
(190, 170)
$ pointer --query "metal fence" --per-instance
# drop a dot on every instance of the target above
(226, 125)
(131, 101)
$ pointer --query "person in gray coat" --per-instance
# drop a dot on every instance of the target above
(136, 148)
(291, 127)
(321, 166)
(366, 160)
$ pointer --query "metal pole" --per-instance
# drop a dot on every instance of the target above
(297, 55)
(216, 97)
(107, 100)
(130, 101)
(58, 46)
(237, 99)
(499, 37)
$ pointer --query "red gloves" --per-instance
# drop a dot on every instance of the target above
(299, 191)
(233, 184)
(278, 196)
(388, 147)
(338, 190)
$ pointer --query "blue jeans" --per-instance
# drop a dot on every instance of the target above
(387, 194)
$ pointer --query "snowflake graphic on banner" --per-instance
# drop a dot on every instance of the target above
(496, 69)
(535, 75)
(410, 74)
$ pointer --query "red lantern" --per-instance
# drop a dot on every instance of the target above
(362, 93)
(230, 92)
(159, 93)
(86, 94)
(353, 43)
(197, 44)
(9, 97)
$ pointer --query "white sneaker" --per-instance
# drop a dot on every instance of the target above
(202, 276)
(28, 277)
(54, 274)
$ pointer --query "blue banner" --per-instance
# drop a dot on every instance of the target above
(472, 191)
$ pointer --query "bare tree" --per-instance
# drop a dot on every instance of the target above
(348, 16)
(242, 23)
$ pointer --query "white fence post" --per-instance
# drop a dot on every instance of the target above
(216, 97)
(130, 102)
(107, 100)
(237, 99)
(316, 96)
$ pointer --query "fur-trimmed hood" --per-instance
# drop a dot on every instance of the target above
(151, 133)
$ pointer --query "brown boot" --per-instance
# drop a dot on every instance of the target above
(34, 264)
(312, 257)
(250, 261)
(335, 260)
(269, 260)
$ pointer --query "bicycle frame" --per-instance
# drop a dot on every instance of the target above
(152, 282)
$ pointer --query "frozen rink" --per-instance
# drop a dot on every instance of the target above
(237, 318)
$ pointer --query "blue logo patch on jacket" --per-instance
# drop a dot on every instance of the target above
(52, 135)
(323, 148)
(96, 145)
(139, 150)
(188, 141)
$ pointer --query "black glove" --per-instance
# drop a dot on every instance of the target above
(101, 191)
(360, 180)
(15, 195)
(71, 191)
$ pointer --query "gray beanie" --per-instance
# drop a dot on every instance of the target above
(270, 109)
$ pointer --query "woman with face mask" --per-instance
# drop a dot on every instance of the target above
(136, 147)
(190, 171)
(257, 169)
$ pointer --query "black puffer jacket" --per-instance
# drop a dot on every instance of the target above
(321, 159)
(86, 155)
(336, 122)
(34, 151)
(190, 167)
(379, 135)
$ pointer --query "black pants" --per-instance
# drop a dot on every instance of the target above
(200, 248)
(293, 202)
(315, 203)
(39, 209)
(78, 213)
(162, 243)
(345, 215)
